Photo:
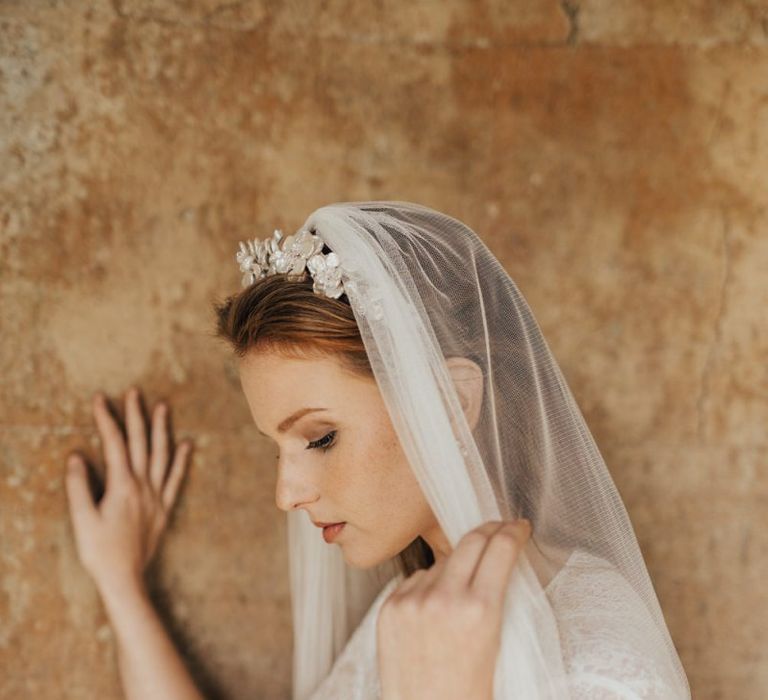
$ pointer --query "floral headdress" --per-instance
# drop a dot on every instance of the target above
(292, 254)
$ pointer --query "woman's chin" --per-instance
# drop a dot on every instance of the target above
(367, 559)
(360, 560)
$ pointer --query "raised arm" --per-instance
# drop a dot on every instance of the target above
(117, 537)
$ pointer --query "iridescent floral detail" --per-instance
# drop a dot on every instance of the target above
(326, 273)
(292, 255)
(302, 252)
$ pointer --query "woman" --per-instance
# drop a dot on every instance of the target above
(483, 550)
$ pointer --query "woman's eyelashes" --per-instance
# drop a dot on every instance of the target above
(324, 443)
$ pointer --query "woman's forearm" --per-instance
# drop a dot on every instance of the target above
(151, 667)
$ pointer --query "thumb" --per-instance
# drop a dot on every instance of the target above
(81, 505)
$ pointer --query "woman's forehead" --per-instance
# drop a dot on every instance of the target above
(277, 387)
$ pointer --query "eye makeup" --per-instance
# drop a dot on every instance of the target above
(324, 443)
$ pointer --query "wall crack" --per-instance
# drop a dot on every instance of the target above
(571, 10)
(717, 331)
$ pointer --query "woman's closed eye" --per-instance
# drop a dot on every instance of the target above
(324, 443)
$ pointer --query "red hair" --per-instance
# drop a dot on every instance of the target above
(283, 314)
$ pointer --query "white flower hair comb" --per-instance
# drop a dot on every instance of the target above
(269, 256)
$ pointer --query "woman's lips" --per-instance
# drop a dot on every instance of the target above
(330, 532)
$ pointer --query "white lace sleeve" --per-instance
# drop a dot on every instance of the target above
(354, 675)
(605, 647)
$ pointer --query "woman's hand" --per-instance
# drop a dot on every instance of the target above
(117, 537)
(439, 631)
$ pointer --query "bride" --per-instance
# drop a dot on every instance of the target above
(453, 530)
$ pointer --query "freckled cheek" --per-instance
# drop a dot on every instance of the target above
(389, 482)
(335, 483)
(366, 484)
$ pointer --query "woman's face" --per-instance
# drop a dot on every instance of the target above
(362, 476)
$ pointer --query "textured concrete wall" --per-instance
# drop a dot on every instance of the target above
(613, 154)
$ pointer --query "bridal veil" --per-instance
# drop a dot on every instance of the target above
(424, 288)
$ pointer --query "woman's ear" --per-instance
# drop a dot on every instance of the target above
(468, 380)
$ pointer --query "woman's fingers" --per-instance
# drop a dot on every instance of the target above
(498, 559)
(113, 443)
(123, 460)
(81, 505)
(463, 560)
(137, 432)
(178, 468)
(420, 580)
(160, 447)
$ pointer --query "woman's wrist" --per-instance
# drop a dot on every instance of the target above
(150, 664)
(123, 592)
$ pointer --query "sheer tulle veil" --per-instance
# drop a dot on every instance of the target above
(424, 287)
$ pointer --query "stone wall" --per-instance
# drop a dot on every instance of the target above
(612, 154)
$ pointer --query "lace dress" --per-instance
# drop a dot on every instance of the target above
(605, 658)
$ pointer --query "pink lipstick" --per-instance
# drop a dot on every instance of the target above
(330, 532)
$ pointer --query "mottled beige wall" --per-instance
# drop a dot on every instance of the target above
(613, 154)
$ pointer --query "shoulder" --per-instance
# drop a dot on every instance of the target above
(612, 646)
(594, 595)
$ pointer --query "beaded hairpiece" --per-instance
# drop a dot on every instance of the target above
(292, 254)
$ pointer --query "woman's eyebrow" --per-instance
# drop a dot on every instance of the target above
(286, 423)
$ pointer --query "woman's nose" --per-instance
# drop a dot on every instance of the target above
(293, 489)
